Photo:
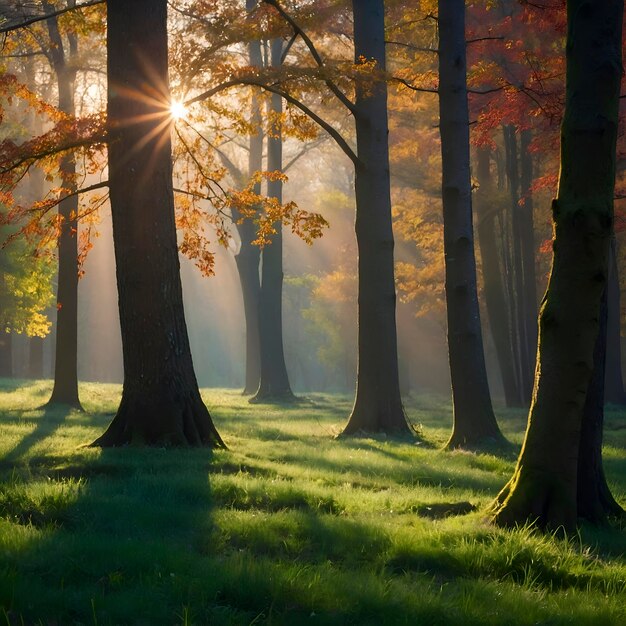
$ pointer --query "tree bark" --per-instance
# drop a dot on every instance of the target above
(614, 382)
(65, 390)
(495, 298)
(377, 406)
(274, 383)
(161, 403)
(474, 420)
(544, 487)
(595, 501)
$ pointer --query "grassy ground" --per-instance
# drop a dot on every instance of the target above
(289, 526)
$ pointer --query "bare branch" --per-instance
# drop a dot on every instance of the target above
(413, 87)
(411, 46)
(469, 41)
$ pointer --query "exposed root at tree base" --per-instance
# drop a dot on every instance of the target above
(164, 424)
(286, 397)
(488, 443)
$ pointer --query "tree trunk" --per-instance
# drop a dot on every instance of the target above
(377, 406)
(6, 354)
(474, 421)
(274, 384)
(518, 306)
(595, 501)
(35, 357)
(65, 390)
(614, 383)
(543, 488)
(495, 298)
(248, 268)
(161, 403)
(249, 255)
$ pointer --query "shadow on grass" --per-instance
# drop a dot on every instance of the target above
(51, 418)
(409, 473)
(152, 536)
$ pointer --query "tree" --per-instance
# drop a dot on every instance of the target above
(614, 383)
(495, 297)
(377, 406)
(274, 380)
(65, 390)
(474, 421)
(249, 255)
(161, 403)
(594, 499)
(544, 488)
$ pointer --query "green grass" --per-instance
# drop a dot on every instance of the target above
(289, 526)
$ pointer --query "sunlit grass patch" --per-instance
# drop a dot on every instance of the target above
(290, 525)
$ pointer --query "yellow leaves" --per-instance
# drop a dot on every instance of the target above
(421, 282)
(26, 280)
(337, 286)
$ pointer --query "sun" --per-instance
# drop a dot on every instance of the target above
(178, 110)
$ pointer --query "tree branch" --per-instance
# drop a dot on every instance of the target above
(39, 18)
(468, 41)
(339, 140)
(411, 46)
(411, 86)
(314, 53)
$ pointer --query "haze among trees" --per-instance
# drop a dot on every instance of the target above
(222, 221)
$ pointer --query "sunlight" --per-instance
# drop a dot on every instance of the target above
(178, 110)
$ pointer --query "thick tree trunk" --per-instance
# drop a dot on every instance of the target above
(377, 406)
(474, 421)
(595, 501)
(544, 488)
(274, 384)
(614, 383)
(495, 298)
(161, 403)
(65, 390)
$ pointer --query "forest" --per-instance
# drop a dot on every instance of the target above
(312, 312)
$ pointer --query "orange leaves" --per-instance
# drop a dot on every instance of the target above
(267, 211)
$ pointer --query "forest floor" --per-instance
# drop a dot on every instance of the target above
(289, 526)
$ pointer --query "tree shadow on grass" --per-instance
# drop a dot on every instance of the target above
(105, 539)
(49, 420)
(141, 536)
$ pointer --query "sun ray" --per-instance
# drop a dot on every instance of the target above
(178, 110)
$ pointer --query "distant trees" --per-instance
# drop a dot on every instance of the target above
(547, 487)
(25, 293)
(161, 403)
